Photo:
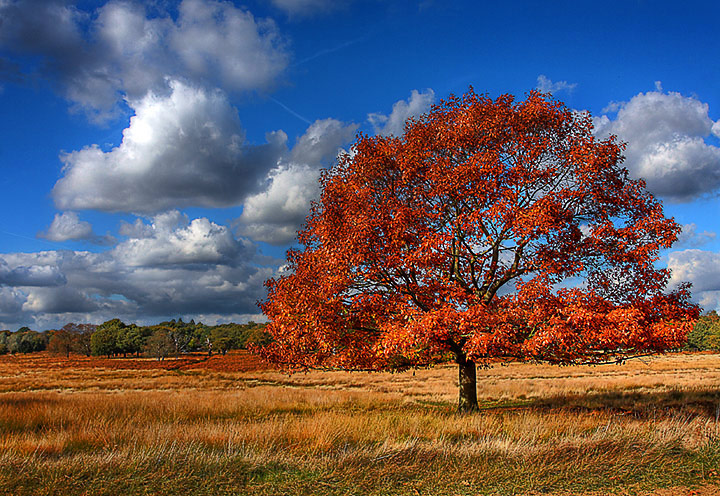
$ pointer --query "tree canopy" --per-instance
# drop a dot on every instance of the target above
(493, 228)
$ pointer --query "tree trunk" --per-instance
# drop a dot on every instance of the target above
(467, 381)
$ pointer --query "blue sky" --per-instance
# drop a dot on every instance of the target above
(157, 157)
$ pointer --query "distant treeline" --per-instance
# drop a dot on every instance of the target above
(174, 337)
(115, 338)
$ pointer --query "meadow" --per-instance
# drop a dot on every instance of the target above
(231, 426)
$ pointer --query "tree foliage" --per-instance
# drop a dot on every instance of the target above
(82, 335)
(705, 335)
(160, 343)
(4, 335)
(26, 340)
(61, 343)
(490, 229)
(108, 338)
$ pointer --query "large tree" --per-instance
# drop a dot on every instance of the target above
(492, 229)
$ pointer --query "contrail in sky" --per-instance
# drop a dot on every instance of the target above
(34, 239)
(328, 50)
(290, 110)
(312, 57)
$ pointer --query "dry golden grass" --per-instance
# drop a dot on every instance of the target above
(70, 429)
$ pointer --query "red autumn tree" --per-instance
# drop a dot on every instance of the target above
(490, 229)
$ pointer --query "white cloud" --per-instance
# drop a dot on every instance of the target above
(702, 269)
(137, 229)
(690, 237)
(180, 243)
(666, 135)
(322, 141)
(187, 148)
(545, 85)
(216, 39)
(180, 267)
(123, 51)
(68, 226)
(275, 215)
(394, 124)
(30, 275)
(59, 300)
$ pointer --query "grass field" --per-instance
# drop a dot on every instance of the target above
(227, 425)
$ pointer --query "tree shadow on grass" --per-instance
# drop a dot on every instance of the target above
(640, 404)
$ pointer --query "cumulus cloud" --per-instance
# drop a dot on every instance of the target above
(702, 269)
(690, 237)
(30, 275)
(179, 267)
(667, 143)
(137, 229)
(216, 39)
(187, 148)
(546, 85)
(394, 124)
(275, 215)
(68, 226)
(172, 240)
(11, 302)
(59, 300)
(120, 50)
(322, 141)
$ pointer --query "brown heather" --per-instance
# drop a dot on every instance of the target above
(92, 427)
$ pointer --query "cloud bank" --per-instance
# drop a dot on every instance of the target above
(172, 266)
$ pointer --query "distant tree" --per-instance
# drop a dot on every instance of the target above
(160, 344)
(465, 238)
(104, 342)
(26, 340)
(202, 338)
(82, 335)
(130, 340)
(256, 336)
(32, 341)
(705, 334)
(181, 336)
(106, 338)
(222, 339)
(3, 341)
(61, 343)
